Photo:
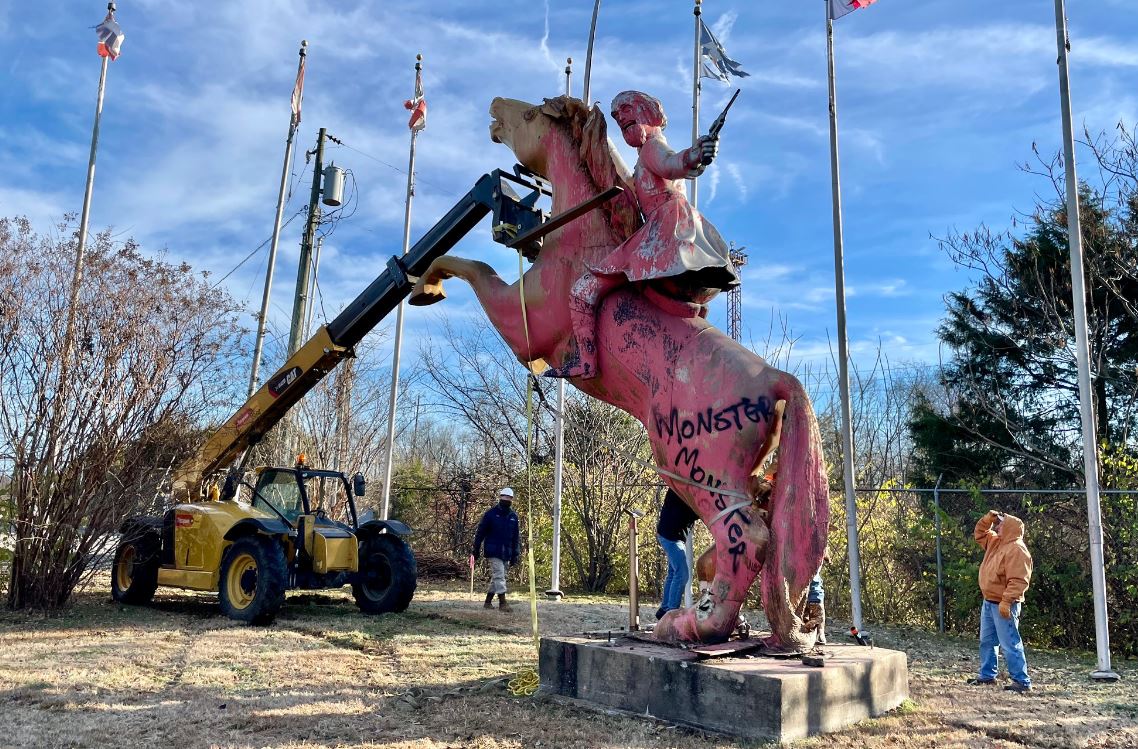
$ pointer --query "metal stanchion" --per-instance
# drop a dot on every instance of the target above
(634, 516)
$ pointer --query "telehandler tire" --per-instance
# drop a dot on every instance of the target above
(386, 581)
(253, 581)
(134, 574)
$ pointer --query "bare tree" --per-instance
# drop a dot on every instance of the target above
(153, 356)
(607, 459)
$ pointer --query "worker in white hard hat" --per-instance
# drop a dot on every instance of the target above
(498, 536)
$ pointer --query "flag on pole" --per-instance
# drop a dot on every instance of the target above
(715, 62)
(110, 36)
(839, 8)
(298, 92)
(418, 105)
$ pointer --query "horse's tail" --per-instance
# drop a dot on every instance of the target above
(799, 518)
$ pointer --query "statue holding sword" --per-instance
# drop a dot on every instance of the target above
(676, 252)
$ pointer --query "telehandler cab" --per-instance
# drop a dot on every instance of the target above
(300, 528)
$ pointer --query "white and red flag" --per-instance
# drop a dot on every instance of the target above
(110, 36)
(418, 105)
(839, 8)
(298, 92)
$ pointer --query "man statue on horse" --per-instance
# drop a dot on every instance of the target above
(675, 252)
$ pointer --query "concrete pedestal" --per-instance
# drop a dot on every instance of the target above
(757, 698)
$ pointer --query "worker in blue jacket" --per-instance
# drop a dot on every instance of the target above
(499, 538)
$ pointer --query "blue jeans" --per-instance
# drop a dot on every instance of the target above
(998, 633)
(816, 593)
(677, 579)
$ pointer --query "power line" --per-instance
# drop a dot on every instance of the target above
(254, 252)
(418, 180)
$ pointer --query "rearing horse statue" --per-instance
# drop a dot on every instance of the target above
(714, 410)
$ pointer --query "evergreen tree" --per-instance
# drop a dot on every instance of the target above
(1012, 381)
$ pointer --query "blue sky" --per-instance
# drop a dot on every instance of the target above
(937, 102)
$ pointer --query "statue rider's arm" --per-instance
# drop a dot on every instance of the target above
(664, 162)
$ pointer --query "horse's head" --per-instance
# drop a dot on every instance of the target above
(563, 139)
(525, 129)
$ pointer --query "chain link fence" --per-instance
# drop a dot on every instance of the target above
(920, 561)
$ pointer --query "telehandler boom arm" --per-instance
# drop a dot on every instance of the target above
(335, 341)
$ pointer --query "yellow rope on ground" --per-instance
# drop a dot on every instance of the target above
(524, 684)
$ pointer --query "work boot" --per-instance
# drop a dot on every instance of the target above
(489, 601)
(502, 604)
(1015, 686)
(978, 682)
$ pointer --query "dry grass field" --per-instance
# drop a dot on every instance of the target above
(179, 674)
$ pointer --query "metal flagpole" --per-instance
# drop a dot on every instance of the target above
(81, 245)
(589, 55)
(554, 591)
(263, 317)
(693, 196)
(559, 462)
(1082, 353)
(399, 318)
(843, 347)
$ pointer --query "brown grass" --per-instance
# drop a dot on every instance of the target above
(178, 673)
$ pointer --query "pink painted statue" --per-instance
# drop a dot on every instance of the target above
(714, 410)
(674, 243)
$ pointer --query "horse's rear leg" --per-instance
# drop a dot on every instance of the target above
(740, 545)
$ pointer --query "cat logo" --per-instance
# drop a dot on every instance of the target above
(281, 382)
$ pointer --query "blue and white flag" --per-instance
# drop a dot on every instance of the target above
(715, 62)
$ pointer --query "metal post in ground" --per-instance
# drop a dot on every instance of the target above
(689, 555)
(633, 571)
(939, 563)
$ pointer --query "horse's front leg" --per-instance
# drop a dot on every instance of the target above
(528, 338)
(740, 545)
(429, 288)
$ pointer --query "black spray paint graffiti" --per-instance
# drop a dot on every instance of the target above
(734, 521)
(710, 421)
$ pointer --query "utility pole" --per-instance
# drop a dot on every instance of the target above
(300, 300)
(316, 281)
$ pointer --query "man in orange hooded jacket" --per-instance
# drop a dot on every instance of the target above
(1005, 575)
